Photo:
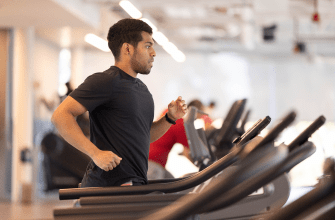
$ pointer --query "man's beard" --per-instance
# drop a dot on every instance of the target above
(137, 66)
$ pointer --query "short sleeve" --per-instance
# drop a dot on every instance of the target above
(96, 90)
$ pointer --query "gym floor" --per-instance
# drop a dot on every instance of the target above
(37, 210)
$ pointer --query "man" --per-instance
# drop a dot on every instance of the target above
(121, 111)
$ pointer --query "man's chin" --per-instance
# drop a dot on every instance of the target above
(145, 72)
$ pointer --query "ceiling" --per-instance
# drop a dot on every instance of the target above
(192, 25)
(216, 25)
(44, 13)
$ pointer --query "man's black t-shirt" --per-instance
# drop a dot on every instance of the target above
(121, 114)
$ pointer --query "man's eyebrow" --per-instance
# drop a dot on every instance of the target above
(149, 43)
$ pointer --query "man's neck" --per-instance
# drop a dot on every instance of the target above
(126, 68)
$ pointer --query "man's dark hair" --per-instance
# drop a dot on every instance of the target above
(127, 30)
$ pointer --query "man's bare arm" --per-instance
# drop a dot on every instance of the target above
(158, 129)
(176, 110)
(64, 120)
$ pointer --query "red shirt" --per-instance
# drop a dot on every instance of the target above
(160, 149)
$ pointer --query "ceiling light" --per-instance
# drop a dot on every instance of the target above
(97, 42)
(160, 38)
(170, 48)
(130, 9)
(178, 56)
(154, 28)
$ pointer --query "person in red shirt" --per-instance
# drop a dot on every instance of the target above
(160, 149)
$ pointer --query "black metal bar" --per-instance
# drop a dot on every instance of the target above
(303, 137)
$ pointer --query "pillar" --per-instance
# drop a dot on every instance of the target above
(22, 172)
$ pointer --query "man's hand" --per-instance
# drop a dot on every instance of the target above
(177, 109)
(106, 160)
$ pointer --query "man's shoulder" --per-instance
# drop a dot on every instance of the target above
(105, 76)
(112, 71)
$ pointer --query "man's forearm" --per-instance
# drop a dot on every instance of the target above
(158, 129)
(69, 129)
(176, 110)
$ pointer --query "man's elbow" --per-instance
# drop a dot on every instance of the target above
(54, 117)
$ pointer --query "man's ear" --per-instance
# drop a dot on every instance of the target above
(127, 48)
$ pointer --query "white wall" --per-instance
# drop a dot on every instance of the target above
(46, 74)
(96, 61)
(293, 83)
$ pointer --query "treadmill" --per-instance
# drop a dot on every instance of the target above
(221, 139)
(259, 167)
(239, 150)
(262, 156)
(214, 197)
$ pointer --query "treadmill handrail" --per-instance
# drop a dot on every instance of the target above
(188, 205)
(246, 188)
(184, 207)
(227, 198)
(299, 150)
(273, 133)
(253, 131)
(199, 149)
(303, 137)
(183, 184)
(255, 163)
(176, 186)
(229, 124)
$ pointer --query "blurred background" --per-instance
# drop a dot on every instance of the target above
(279, 55)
